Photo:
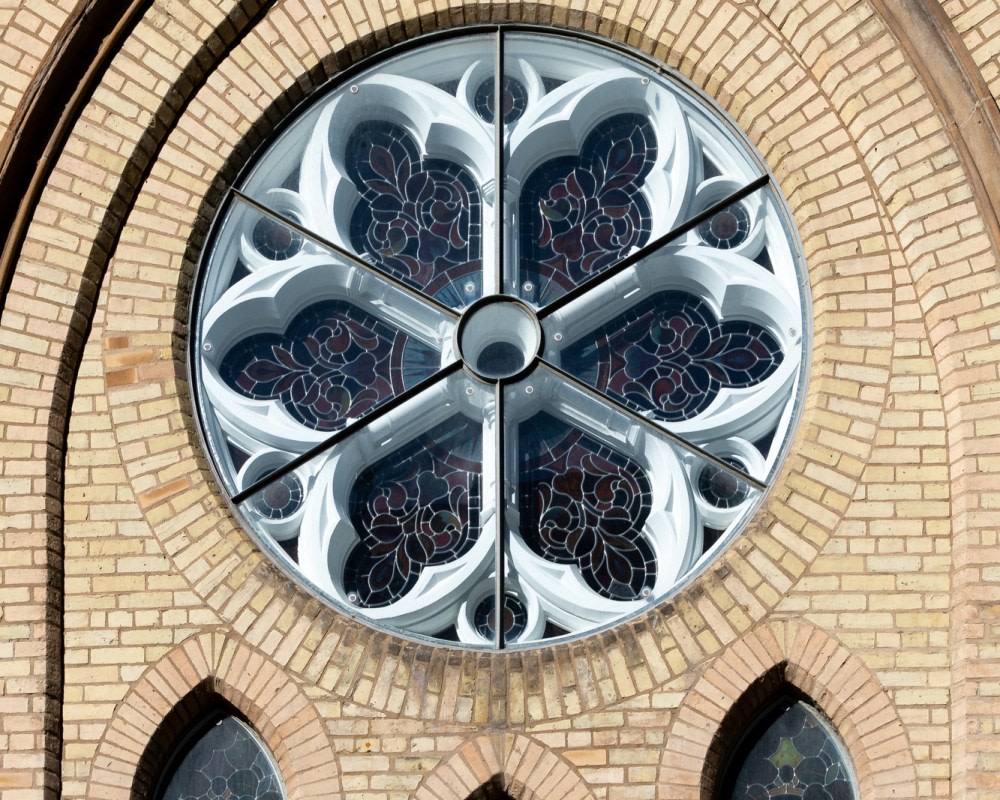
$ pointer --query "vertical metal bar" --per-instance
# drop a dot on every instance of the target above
(500, 219)
(500, 209)
(501, 518)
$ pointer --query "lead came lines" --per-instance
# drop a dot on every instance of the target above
(630, 393)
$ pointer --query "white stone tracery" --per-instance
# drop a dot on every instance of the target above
(430, 93)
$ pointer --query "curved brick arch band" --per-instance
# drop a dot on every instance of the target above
(752, 671)
(160, 450)
(520, 766)
(185, 679)
(906, 365)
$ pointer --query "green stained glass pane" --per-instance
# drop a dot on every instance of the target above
(790, 753)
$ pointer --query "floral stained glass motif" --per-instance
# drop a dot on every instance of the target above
(413, 465)
(582, 503)
(581, 214)
(793, 755)
(226, 761)
(414, 509)
(670, 356)
(334, 363)
(419, 219)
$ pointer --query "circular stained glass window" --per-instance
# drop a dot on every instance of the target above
(541, 354)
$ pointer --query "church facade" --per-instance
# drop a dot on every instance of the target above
(134, 605)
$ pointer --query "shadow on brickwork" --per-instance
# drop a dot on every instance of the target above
(493, 789)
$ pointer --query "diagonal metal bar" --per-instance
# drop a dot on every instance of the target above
(334, 439)
(646, 251)
(348, 256)
(680, 441)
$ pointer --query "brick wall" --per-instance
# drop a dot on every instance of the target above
(867, 579)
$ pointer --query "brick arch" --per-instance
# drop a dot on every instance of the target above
(184, 683)
(755, 668)
(634, 648)
(521, 767)
(177, 494)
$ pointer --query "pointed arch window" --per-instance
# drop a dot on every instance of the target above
(223, 759)
(791, 752)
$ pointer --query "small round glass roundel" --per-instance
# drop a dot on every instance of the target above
(547, 359)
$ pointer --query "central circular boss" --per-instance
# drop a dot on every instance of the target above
(498, 338)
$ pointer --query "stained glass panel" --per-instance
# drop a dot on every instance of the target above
(728, 228)
(515, 99)
(580, 214)
(419, 218)
(417, 508)
(670, 356)
(333, 363)
(224, 761)
(792, 753)
(515, 617)
(431, 372)
(582, 503)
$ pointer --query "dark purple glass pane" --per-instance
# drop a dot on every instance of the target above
(670, 356)
(280, 498)
(226, 760)
(583, 503)
(515, 99)
(727, 229)
(515, 617)
(419, 219)
(416, 508)
(764, 259)
(551, 84)
(790, 754)
(275, 240)
(721, 488)
(240, 271)
(239, 457)
(333, 363)
(581, 214)
(710, 536)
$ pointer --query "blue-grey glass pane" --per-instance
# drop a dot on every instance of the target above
(793, 754)
(227, 761)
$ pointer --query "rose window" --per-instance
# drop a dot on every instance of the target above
(500, 340)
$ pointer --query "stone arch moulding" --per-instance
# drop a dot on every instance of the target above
(523, 768)
(214, 663)
(813, 662)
